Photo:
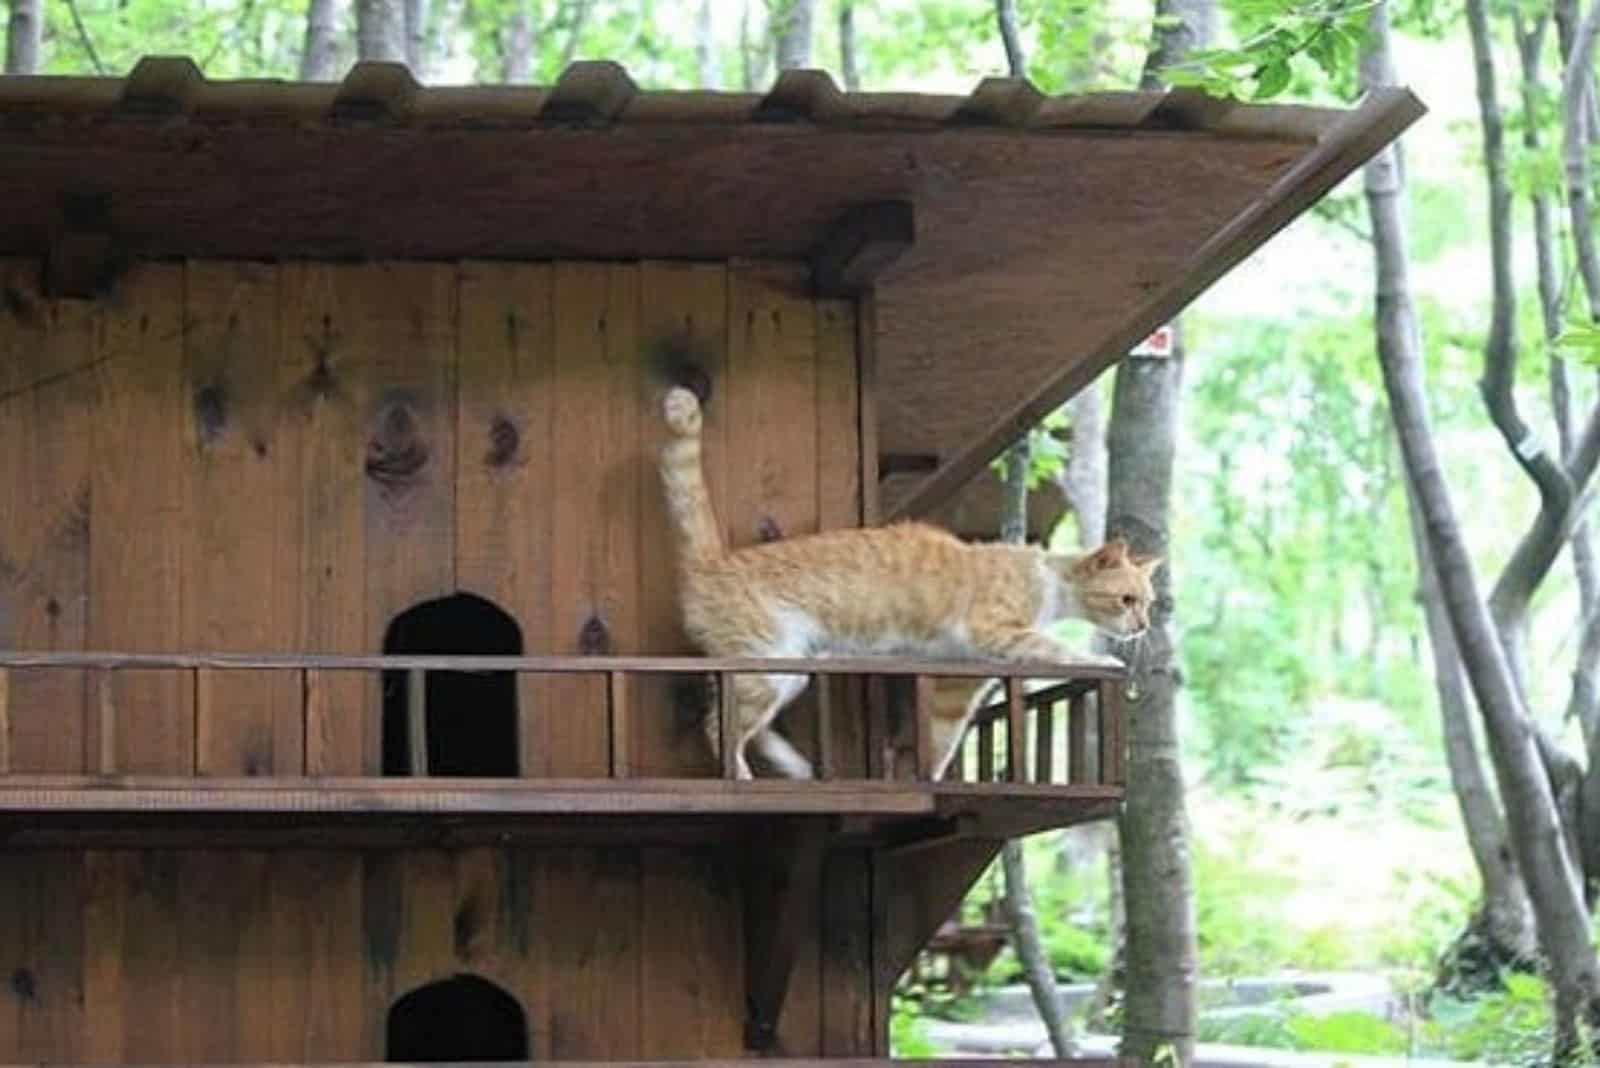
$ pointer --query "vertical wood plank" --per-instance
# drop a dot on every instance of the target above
(107, 722)
(5, 722)
(46, 972)
(210, 923)
(241, 526)
(1113, 744)
(620, 714)
(152, 964)
(417, 721)
(1016, 732)
(845, 931)
(319, 986)
(593, 554)
(727, 715)
(504, 476)
(1078, 739)
(681, 305)
(408, 338)
(325, 380)
(880, 743)
(104, 923)
(692, 984)
(867, 357)
(922, 703)
(47, 350)
(771, 397)
(136, 553)
(822, 686)
(1045, 742)
(986, 751)
(594, 967)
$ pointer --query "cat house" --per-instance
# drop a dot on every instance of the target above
(344, 710)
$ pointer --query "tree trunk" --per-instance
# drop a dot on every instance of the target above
(1536, 835)
(1018, 902)
(380, 30)
(1084, 479)
(1011, 37)
(1160, 962)
(320, 61)
(705, 48)
(23, 32)
(1505, 934)
(849, 59)
(792, 23)
(517, 45)
(416, 26)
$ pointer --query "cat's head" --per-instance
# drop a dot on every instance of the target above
(1112, 585)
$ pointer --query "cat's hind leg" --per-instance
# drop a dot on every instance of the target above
(777, 750)
(757, 701)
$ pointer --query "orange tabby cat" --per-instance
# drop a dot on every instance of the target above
(907, 589)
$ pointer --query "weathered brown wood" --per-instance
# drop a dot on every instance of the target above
(822, 687)
(1000, 101)
(845, 925)
(922, 706)
(727, 725)
(375, 92)
(104, 923)
(1044, 742)
(135, 551)
(1016, 731)
(1113, 743)
(597, 963)
(323, 373)
(505, 423)
(693, 987)
(921, 889)
(5, 722)
(620, 713)
(580, 665)
(314, 708)
(241, 526)
(867, 363)
(589, 91)
(781, 883)
(162, 85)
(1078, 739)
(865, 242)
(107, 722)
(417, 721)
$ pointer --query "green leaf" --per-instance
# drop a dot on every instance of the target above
(1272, 79)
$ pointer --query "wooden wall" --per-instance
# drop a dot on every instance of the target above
(240, 456)
(250, 457)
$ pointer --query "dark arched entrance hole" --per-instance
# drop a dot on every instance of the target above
(471, 716)
(463, 1018)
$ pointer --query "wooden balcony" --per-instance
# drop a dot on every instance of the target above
(1041, 755)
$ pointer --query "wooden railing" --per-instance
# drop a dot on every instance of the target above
(899, 704)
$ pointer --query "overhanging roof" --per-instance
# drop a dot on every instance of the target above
(1052, 233)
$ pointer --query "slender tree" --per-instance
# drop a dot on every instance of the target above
(23, 31)
(1536, 838)
(792, 24)
(416, 29)
(380, 30)
(849, 55)
(705, 48)
(320, 60)
(1160, 946)
(517, 44)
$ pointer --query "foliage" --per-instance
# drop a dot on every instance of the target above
(908, 1036)
(1276, 36)
(1339, 1032)
(1511, 1027)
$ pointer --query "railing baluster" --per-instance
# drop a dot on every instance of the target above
(5, 721)
(880, 746)
(617, 711)
(922, 726)
(956, 771)
(106, 712)
(1078, 739)
(1016, 731)
(204, 708)
(822, 685)
(1111, 740)
(417, 720)
(986, 750)
(727, 713)
(1044, 744)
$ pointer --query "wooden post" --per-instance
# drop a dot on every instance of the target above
(922, 727)
(417, 720)
(1078, 739)
(106, 711)
(1044, 743)
(986, 750)
(1111, 736)
(727, 713)
(1016, 731)
(823, 686)
(5, 721)
(879, 743)
(205, 682)
(617, 714)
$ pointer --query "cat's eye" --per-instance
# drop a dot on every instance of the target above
(1129, 600)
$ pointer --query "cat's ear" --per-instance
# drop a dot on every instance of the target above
(1147, 564)
(1114, 553)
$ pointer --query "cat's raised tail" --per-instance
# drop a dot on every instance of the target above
(695, 526)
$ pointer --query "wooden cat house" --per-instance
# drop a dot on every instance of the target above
(344, 715)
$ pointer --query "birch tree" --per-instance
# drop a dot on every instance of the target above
(24, 28)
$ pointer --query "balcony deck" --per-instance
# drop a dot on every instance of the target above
(1075, 774)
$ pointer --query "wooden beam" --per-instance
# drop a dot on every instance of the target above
(376, 91)
(921, 888)
(1000, 102)
(727, 725)
(1016, 732)
(161, 85)
(1380, 117)
(801, 96)
(861, 245)
(782, 885)
(81, 260)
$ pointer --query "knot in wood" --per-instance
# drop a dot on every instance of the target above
(594, 638)
(396, 454)
(504, 440)
(210, 413)
(768, 530)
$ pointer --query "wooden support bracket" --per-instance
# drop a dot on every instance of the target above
(161, 85)
(376, 92)
(919, 889)
(861, 245)
(1000, 102)
(782, 877)
(589, 91)
(801, 96)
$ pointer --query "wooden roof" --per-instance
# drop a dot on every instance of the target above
(1052, 233)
